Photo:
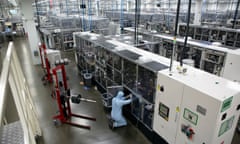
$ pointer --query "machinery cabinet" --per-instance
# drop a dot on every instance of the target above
(206, 56)
(130, 74)
(231, 67)
(67, 43)
(137, 107)
(66, 36)
(148, 111)
(212, 120)
(167, 107)
(226, 36)
(213, 61)
(196, 108)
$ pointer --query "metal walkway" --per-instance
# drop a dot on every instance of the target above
(12, 134)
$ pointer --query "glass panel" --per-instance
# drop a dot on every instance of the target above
(101, 56)
(109, 58)
(118, 77)
(109, 72)
(103, 79)
(110, 83)
(81, 62)
(99, 53)
(97, 76)
(129, 78)
(136, 107)
(117, 62)
(168, 48)
(148, 115)
(146, 83)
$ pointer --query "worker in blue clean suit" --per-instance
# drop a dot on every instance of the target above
(116, 114)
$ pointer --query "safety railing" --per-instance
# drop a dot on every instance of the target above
(13, 76)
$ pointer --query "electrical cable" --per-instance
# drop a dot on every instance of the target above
(175, 34)
(187, 30)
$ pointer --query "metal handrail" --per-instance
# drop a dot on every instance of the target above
(12, 76)
(4, 80)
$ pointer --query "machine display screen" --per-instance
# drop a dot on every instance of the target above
(163, 111)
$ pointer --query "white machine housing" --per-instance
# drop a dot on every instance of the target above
(230, 68)
(207, 105)
(195, 107)
(53, 56)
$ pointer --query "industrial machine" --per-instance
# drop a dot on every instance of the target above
(160, 21)
(58, 38)
(185, 105)
(216, 59)
(226, 36)
(189, 110)
(48, 59)
(59, 35)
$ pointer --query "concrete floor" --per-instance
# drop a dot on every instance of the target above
(46, 108)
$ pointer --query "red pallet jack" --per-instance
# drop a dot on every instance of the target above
(45, 64)
(60, 117)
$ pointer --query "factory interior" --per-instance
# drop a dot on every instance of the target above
(120, 72)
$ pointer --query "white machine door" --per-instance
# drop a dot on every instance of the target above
(199, 113)
(167, 108)
(232, 67)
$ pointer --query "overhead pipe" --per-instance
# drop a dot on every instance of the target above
(175, 34)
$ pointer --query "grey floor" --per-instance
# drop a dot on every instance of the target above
(47, 108)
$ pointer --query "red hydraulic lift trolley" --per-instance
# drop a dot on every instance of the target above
(60, 117)
(45, 64)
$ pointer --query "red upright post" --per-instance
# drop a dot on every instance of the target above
(40, 50)
(61, 114)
